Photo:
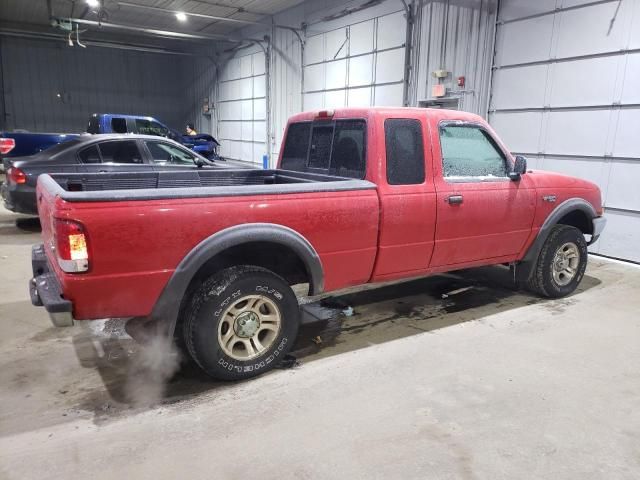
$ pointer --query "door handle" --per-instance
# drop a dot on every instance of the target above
(454, 199)
(102, 171)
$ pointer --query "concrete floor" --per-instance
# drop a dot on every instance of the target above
(481, 383)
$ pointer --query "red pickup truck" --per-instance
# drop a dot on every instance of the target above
(359, 196)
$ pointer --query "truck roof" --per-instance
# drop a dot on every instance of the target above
(366, 112)
(121, 115)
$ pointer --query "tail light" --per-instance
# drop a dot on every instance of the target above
(6, 145)
(71, 246)
(17, 176)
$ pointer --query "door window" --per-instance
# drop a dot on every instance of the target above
(120, 152)
(165, 153)
(149, 127)
(405, 151)
(90, 155)
(469, 151)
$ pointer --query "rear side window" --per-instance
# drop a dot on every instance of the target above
(120, 152)
(90, 155)
(119, 125)
(336, 148)
(405, 151)
(347, 157)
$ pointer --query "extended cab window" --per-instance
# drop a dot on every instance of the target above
(405, 151)
(120, 152)
(469, 151)
(333, 147)
(165, 153)
(118, 125)
(90, 155)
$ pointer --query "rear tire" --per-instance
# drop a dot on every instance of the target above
(561, 263)
(240, 322)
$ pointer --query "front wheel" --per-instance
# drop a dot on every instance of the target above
(561, 263)
(240, 322)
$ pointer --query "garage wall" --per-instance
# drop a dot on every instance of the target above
(90, 80)
(241, 106)
(357, 65)
(565, 94)
(369, 68)
(456, 36)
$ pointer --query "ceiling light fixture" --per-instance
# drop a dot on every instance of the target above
(181, 16)
(93, 3)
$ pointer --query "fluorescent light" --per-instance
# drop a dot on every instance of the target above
(181, 16)
(93, 3)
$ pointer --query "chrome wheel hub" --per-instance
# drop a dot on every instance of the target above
(246, 325)
(565, 263)
(249, 326)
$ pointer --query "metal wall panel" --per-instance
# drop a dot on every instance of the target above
(241, 106)
(94, 80)
(379, 59)
(565, 91)
(524, 8)
(515, 41)
(457, 37)
(520, 131)
(520, 87)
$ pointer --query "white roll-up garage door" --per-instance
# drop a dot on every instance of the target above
(358, 65)
(566, 93)
(242, 108)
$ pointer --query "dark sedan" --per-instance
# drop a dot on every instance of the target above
(93, 154)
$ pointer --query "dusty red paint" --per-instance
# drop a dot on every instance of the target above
(398, 231)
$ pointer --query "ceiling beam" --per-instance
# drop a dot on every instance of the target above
(151, 31)
(189, 14)
(202, 15)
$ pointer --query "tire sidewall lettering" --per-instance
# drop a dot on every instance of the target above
(228, 364)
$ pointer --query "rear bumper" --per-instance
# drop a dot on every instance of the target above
(45, 290)
(598, 226)
(20, 199)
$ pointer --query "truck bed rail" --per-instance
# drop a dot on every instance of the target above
(105, 187)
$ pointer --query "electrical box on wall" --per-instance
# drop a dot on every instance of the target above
(206, 109)
(438, 90)
(440, 73)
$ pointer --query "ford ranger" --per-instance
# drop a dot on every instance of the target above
(359, 196)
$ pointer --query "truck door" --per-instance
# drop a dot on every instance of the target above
(407, 198)
(483, 216)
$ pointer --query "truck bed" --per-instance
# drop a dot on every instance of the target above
(82, 187)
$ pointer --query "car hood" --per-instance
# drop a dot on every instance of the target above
(545, 179)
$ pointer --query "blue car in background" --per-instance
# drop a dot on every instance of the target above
(204, 144)
(22, 144)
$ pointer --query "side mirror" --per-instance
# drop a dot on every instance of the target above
(199, 163)
(519, 168)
